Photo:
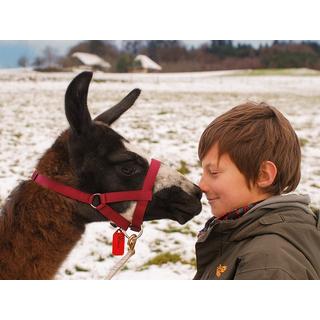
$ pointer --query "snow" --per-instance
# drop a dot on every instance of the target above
(166, 122)
(90, 59)
(147, 63)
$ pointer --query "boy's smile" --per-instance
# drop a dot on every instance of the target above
(225, 186)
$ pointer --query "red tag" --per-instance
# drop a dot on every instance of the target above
(118, 243)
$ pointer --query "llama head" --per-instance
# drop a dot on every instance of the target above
(104, 161)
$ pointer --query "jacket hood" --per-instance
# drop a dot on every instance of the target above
(289, 200)
(275, 214)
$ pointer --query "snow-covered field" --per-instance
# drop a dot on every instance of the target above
(166, 121)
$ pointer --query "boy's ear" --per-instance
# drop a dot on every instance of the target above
(267, 174)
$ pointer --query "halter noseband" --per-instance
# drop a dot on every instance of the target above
(142, 197)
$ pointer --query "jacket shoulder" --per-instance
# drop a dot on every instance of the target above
(270, 256)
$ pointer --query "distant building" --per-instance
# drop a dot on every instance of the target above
(91, 61)
(142, 63)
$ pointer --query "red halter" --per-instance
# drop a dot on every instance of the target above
(141, 196)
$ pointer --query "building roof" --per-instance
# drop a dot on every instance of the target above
(147, 63)
(90, 59)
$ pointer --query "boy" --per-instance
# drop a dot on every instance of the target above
(250, 157)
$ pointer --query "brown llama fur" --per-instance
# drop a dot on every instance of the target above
(38, 227)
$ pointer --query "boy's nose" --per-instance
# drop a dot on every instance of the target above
(203, 186)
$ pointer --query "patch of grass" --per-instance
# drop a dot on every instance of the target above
(144, 140)
(68, 272)
(157, 246)
(162, 112)
(105, 240)
(193, 262)
(303, 141)
(183, 168)
(158, 242)
(184, 230)
(166, 257)
(197, 222)
(141, 125)
(99, 80)
(80, 269)
(17, 135)
(147, 140)
(277, 72)
(100, 259)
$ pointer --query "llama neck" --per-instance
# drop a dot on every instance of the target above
(55, 163)
(38, 227)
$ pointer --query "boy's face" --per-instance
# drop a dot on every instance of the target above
(224, 185)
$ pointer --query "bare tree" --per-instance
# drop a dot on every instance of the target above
(50, 57)
(38, 62)
(134, 46)
(23, 61)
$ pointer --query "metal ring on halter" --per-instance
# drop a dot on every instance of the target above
(138, 236)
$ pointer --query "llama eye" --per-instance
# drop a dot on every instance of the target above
(128, 171)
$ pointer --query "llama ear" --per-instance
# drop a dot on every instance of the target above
(76, 103)
(116, 111)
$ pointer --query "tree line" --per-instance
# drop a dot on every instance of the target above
(175, 56)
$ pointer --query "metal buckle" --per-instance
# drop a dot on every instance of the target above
(92, 198)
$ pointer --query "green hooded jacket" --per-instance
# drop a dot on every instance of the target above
(279, 238)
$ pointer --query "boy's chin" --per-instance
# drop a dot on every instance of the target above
(218, 216)
(218, 213)
(215, 210)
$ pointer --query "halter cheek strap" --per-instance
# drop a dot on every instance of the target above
(142, 197)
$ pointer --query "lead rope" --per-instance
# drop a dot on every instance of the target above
(131, 244)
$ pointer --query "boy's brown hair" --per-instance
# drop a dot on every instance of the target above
(252, 133)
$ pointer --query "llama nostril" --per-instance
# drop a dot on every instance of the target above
(198, 192)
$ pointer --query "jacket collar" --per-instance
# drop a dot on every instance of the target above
(246, 225)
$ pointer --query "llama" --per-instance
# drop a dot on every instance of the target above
(39, 227)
